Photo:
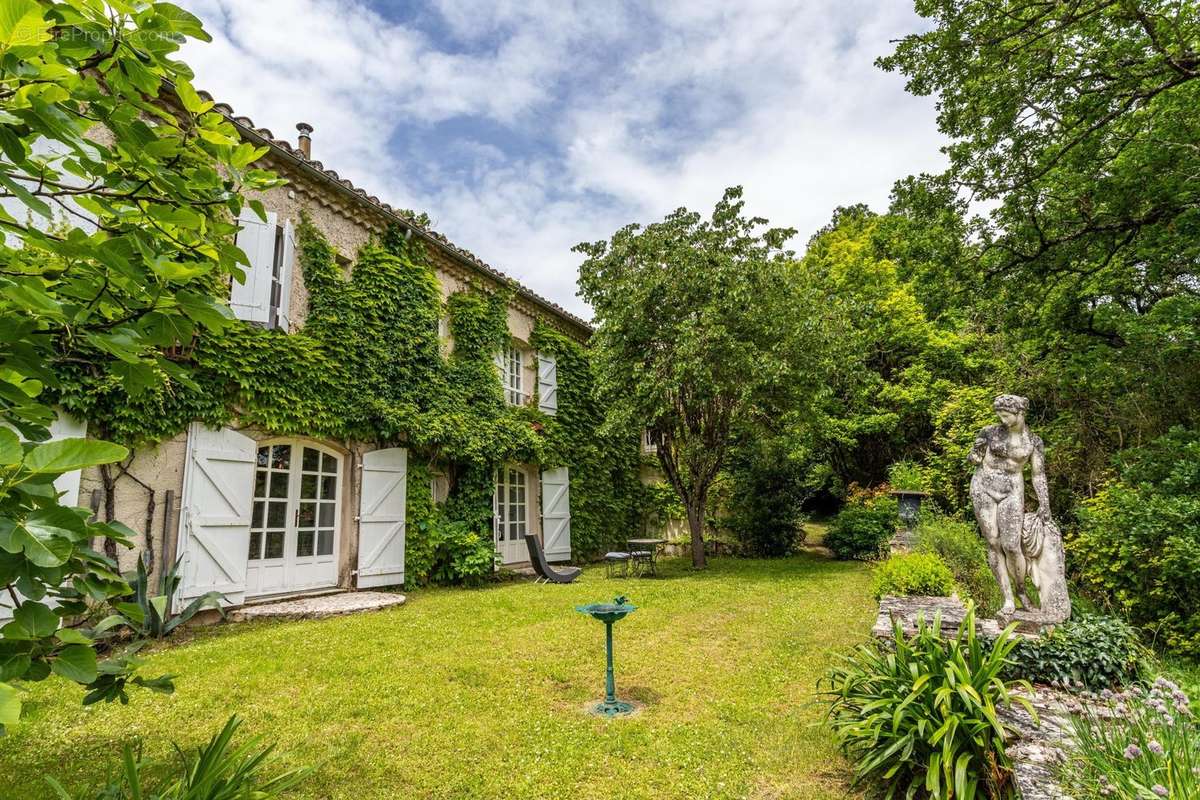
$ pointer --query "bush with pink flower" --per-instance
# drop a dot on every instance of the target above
(1138, 743)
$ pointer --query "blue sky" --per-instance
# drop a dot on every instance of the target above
(523, 128)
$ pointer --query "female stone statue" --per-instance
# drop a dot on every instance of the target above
(1020, 545)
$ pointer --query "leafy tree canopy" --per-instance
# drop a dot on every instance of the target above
(1078, 121)
(700, 324)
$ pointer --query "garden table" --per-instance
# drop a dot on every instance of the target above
(647, 546)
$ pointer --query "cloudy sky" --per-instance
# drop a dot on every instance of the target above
(525, 126)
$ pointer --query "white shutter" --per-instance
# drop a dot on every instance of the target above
(382, 518)
(285, 276)
(547, 384)
(556, 514)
(64, 426)
(218, 492)
(251, 299)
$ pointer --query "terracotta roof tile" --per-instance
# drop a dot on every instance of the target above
(475, 261)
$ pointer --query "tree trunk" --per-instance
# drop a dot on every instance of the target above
(695, 515)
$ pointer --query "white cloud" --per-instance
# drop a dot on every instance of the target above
(635, 112)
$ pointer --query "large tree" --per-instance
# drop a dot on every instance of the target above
(1075, 124)
(119, 187)
(699, 325)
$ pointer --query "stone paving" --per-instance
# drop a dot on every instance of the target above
(320, 606)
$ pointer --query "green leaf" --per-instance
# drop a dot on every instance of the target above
(64, 455)
(190, 99)
(76, 662)
(56, 521)
(10, 705)
(109, 622)
(72, 636)
(10, 448)
(50, 551)
(37, 619)
(182, 21)
(22, 26)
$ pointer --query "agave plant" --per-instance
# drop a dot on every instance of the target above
(217, 771)
(919, 715)
(148, 616)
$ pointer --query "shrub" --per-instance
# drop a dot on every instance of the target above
(862, 530)
(908, 476)
(961, 547)
(919, 715)
(766, 491)
(217, 771)
(460, 555)
(913, 574)
(1145, 745)
(1095, 651)
(1138, 547)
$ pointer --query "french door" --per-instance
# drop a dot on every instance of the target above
(294, 524)
(512, 514)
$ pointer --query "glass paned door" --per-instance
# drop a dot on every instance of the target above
(511, 522)
(294, 525)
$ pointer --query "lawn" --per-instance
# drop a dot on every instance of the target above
(479, 693)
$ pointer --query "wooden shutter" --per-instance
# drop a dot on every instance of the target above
(218, 492)
(251, 299)
(547, 384)
(285, 276)
(382, 518)
(556, 514)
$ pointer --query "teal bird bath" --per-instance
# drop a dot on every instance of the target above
(608, 613)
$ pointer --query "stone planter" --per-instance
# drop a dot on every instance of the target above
(910, 506)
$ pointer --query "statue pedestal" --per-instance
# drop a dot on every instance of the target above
(1029, 621)
(908, 610)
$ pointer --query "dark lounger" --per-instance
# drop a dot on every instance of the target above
(538, 559)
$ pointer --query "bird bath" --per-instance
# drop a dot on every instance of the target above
(608, 613)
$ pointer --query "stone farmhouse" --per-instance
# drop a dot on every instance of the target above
(252, 515)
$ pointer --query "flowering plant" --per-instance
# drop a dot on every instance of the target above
(1135, 744)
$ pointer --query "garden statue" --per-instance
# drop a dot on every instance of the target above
(1020, 545)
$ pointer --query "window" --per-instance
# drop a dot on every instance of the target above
(511, 505)
(650, 441)
(513, 374)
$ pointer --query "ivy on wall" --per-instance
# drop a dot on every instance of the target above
(367, 366)
(606, 492)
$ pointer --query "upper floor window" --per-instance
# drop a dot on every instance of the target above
(264, 293)
(512, 373)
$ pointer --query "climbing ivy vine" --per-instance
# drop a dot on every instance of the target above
(368, 366)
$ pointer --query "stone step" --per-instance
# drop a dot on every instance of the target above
(319, 607)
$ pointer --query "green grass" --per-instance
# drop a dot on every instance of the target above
(480, 693)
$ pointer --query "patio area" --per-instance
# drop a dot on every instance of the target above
(481, 693)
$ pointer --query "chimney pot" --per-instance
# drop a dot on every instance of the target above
(305, 138)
